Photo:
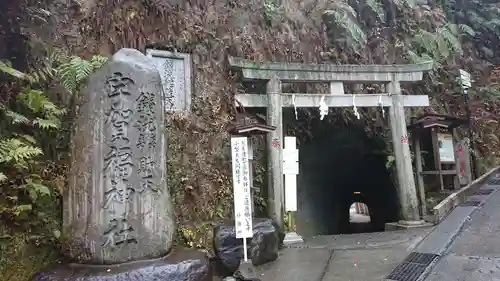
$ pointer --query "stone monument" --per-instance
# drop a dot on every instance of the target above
(118, 206)
(118, 216)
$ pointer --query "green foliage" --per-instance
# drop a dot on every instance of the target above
(30, 181)
(449, 33)
(439, 45)
(76, 69)
(377, 8)
(19, 151)
(7, 68)
(347, 29)
(270, 11)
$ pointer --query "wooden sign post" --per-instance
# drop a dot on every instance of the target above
(241, 189)
(434, 133)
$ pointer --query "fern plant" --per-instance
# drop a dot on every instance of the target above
(345, 28)
(18, 150)
(29, 122)
(72, 72)
(32, 111)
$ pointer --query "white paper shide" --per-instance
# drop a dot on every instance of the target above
(241, 187)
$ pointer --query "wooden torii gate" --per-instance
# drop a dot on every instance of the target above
(275, 100)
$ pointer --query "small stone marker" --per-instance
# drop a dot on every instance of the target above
(118, 206)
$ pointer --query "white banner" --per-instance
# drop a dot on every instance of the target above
(241, 187)
(290, 170)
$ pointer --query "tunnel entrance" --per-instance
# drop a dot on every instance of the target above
(338, 168)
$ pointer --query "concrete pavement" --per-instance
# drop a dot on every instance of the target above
(355, 257)
(464, 247)
(474, 255)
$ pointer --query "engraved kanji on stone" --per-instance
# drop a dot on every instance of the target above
(117, 115)
(145, 123)
(119, 162)
(146, 167)
(146, 172)
(120, 119)
(120, 232)
(117, 195)
(119, 84)
(147, 184)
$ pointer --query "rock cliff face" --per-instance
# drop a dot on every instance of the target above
(198, 176)
(209, 32)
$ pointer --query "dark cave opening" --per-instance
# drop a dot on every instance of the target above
(336, 169)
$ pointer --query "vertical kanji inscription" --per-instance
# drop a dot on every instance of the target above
(146, 141)
(118, 164)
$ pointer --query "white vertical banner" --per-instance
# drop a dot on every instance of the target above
(290, 170)
(241, 188)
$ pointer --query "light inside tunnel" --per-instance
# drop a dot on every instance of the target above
(359, 218)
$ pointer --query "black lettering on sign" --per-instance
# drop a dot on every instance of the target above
(146, 123)
(170, 84)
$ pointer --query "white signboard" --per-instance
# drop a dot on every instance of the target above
(175, 73)
(290, 170)
(446, 149)
(465, 79)
(290, 157)
(241, 187)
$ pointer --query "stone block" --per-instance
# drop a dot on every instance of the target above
(118, 206)
(180, 265)
(246, 272)
(263, 247)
